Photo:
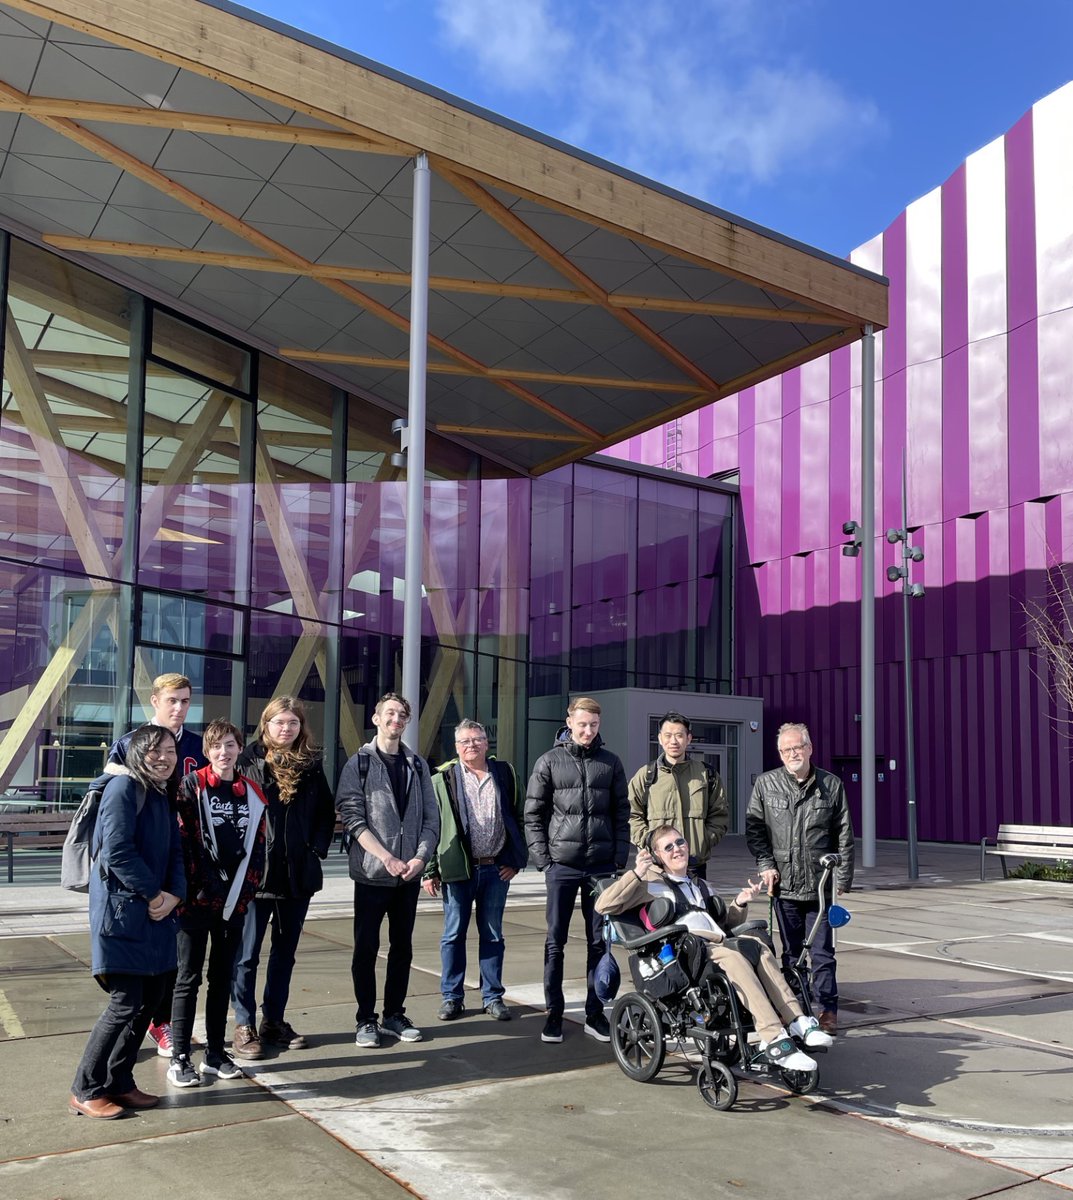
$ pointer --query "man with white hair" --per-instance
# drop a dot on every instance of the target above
(797, 814)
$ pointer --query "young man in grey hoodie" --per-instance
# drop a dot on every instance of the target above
(390, 818)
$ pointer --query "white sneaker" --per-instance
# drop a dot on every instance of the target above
(783, 1053)
(809, 1031)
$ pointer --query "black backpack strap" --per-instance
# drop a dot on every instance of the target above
(363, 775)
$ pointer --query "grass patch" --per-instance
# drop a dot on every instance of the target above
(1060, 871)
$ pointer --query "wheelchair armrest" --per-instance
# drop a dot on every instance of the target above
(658, 935)
(749, 927)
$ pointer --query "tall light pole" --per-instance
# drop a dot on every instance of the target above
(910, 591)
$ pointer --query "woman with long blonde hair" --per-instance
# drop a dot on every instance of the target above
(287, 765)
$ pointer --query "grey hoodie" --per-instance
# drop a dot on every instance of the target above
(370, 804)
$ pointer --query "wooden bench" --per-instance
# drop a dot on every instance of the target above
(1028, 841)
(45, 830)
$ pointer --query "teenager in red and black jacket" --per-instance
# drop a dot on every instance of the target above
(222, 830)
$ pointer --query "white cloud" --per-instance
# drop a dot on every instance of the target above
(697, 95)
(518, 43)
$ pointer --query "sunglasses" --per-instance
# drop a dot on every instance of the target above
(667, 847)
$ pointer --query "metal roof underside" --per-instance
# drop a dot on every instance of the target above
(559, 323)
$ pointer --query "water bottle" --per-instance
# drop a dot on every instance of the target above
(666, 953)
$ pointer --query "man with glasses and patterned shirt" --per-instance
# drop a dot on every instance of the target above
(797, 814)
(481, 849)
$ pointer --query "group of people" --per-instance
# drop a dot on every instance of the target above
(200, 844)
(200, 848)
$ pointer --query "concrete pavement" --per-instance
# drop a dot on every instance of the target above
(952, 1078)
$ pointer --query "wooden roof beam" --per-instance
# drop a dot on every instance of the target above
(438, 368)
(104, 149)
(333, 88)
(437, 283)
(202, 123)
(529, 237)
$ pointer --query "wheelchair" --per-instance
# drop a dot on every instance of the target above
(681, 999)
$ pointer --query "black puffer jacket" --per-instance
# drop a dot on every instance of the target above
(577, 811)
(304, 828)
(791, 825)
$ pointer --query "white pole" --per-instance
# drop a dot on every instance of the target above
(415, 454)
(868, 599)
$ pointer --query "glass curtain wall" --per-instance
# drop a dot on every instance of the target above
(171, 500)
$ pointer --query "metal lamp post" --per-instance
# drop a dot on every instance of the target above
(910, 591)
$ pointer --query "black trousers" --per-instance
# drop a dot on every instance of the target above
(563, 884)
(371, 904)
(107, 1066)
(191, 943)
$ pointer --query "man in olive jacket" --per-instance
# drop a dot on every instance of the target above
(481, 849)
(679, 791)
(577, 825)
(797, 814)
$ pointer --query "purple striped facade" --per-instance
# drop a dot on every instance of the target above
(974, 383)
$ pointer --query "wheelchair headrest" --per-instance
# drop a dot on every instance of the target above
(657, 913)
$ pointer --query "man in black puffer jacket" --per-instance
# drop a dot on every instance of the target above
(577, 824)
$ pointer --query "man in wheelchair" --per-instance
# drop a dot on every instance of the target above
(661, 872)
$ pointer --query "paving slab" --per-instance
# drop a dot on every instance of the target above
(593, 1133)
(281, 1155)
(949, 1080)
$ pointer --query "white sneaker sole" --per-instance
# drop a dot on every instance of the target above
(411, 1035)
(545, 1037)
(222, 1072)
(595, 1033)
(184, 1083)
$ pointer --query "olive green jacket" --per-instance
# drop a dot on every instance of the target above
(687, 795)
(452, 861)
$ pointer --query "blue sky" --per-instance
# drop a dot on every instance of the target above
(821, 119)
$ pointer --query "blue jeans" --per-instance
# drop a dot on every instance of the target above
(795, 920)
(489, 892)
(287, 918)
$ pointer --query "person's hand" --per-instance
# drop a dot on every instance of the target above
(431, 886)
(769, 878)
(506, 874)
(752, 889)
(162, 905)
(643, 862)
(411, 870)
(395, 866)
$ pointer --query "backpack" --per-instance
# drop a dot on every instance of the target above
(76, 857)
(653, 771)
(363, 774)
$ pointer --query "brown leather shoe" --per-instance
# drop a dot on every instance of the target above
(246, 1043)
(829, 1023)
(101, 1108)
(135, 1098)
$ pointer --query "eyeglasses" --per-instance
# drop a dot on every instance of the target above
(276, 723)
(675, 845)
(788, 750)
(474, 741)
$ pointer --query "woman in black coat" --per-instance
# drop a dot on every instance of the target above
(136, 881)
(301, 823)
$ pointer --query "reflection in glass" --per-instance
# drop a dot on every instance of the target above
(63, 424)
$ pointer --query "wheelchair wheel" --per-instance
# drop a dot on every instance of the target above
(717, 1086)
(637, 1036)
(800, 1082)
